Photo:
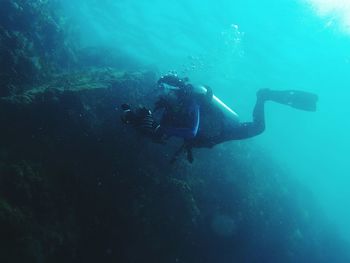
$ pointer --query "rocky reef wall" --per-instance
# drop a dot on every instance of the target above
(76, 185)
(33, 44)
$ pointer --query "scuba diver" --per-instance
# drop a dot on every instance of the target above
(195, 114)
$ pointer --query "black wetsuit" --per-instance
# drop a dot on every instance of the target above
(227, 130)
(241, 131)
(195, 118)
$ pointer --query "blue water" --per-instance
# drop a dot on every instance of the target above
(237, 47)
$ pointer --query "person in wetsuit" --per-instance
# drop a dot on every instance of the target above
(181, 109)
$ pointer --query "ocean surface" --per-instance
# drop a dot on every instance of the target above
(236, 47)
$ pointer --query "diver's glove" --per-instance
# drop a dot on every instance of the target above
(149, 127)
(146, 123)
(142, 120)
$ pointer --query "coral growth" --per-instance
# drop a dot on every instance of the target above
(32, 44)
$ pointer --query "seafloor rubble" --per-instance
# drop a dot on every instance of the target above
(76, 185)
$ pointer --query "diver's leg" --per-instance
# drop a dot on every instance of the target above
(247, 129)
(257, 126)
(297, 99)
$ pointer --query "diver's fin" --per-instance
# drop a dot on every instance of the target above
(301, 100)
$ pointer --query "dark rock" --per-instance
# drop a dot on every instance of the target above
(32, 45)
(76, 185)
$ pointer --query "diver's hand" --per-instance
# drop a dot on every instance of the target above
(148, 126)
(140, 118)
(146, 123)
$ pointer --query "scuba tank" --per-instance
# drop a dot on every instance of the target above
(171, 84)
(219, 104)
